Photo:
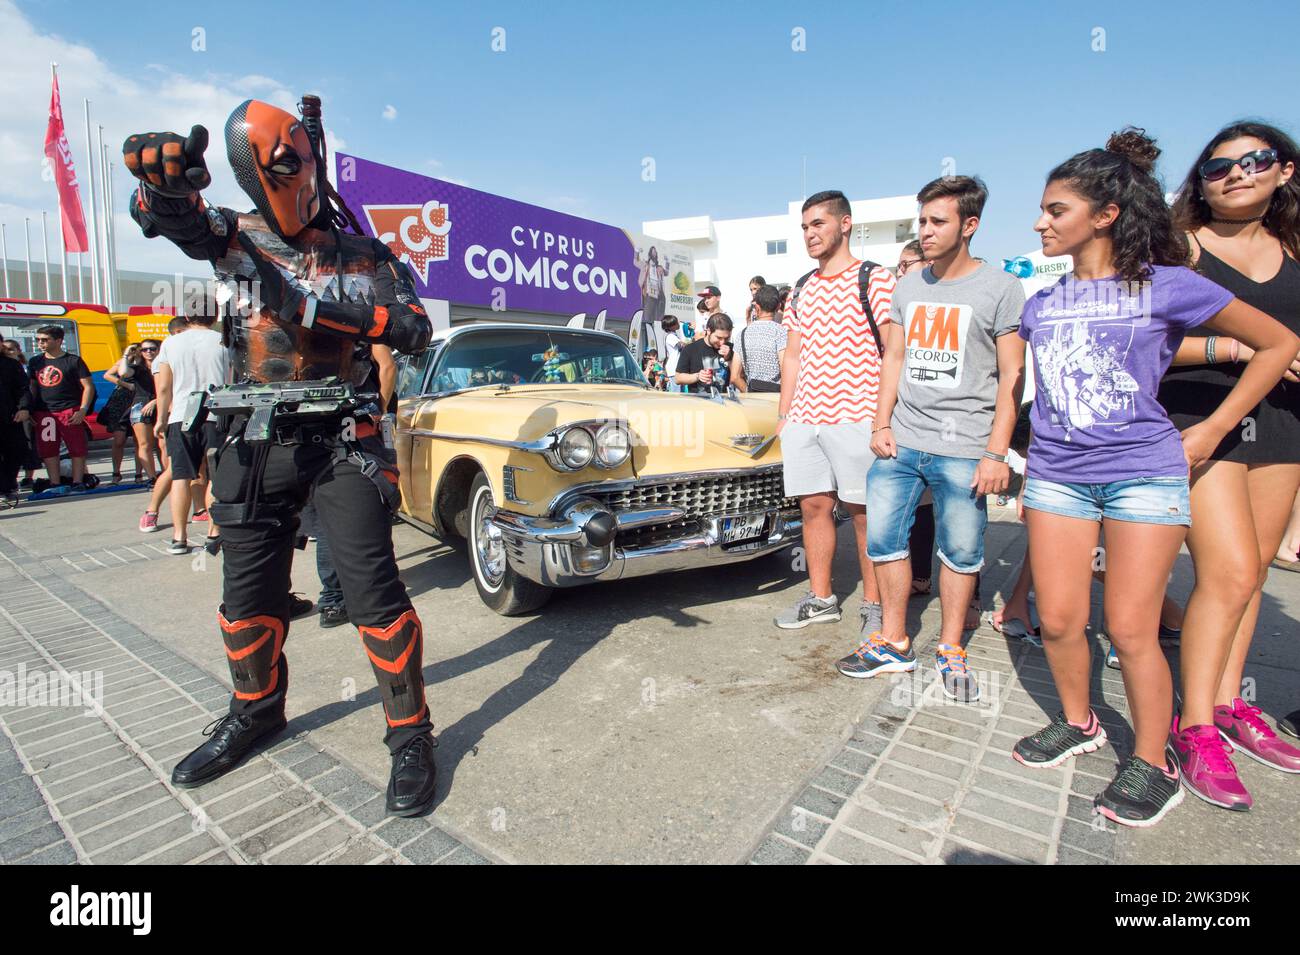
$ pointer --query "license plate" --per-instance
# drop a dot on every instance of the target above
(747, 527)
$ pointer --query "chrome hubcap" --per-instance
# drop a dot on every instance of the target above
(490, 545)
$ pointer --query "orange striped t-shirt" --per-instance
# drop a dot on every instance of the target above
(839, 365)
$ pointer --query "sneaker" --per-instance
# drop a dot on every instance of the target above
(1112, 658)
(1170, 636)
(179, 547)
(958, 682)
(1242, 726)
(1202, 759)
(810, 609)
(333, 616)
(200, 516)
(60, 490)
(148, 522)
(1290, 724)
(9, 500)
(25, 483)
(1140, 795)
(873, 656)
(1058, 741)
(873, 618)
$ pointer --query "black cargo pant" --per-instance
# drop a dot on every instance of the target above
(13, 454)
(258, 549)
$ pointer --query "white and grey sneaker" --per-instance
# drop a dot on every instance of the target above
(810, 609)
(873, 618)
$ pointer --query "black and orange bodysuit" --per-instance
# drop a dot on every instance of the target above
(304, 294)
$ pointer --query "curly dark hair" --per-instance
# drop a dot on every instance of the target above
(1282, 220)
(1143, 234)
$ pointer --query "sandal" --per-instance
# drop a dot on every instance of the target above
(1017, 628)
(920, 586)
(1291, 565)
(117, 477)
(975, 609)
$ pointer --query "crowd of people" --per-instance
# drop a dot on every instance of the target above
(1166, 412)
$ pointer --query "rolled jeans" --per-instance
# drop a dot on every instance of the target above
(894, 488)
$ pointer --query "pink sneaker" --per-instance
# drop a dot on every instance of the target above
(1242, 726)
(200, 515)
(148, 522)
(1206, 769)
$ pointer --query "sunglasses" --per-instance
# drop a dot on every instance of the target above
(148, 349)
(1258, 160)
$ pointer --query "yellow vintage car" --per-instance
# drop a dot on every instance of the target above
(547, 452)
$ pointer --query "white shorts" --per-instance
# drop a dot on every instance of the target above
(827, 457)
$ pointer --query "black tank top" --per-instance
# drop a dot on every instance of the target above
(1191, 393)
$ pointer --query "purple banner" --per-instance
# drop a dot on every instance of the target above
(474, 248)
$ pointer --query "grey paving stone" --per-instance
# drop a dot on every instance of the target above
(940, 723)
(1083, 836)
(1003, 763)
(118, 807)
(1088, 785)
(1065, 855)
(956, 853)
(70, 744)
(250, 770)
(820, 802)
(868, 743)
(837, 781)
(360, 851)
(429, 847)
(998, 839)
(944, 745)
(905, 778)
(61, 853)
(463, 856)
(223, 806)
(259, 843)
(354, 796)
(21, 803)
(773, 851)
(798, 825)
(185, 852)
(242, 823)
(928, 761)
(370, 813)
(849, 848)
(315, 766)
(16, 847)
(85, 774)
(1080, 809)
(895, 832)
(398, 831)
(143, 844)
(1040, 823)
(333, 836)
(296, 753)
(132, 824)
(1022, 790)
(852, 761)
(24, 822)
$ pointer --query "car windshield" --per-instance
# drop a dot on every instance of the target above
(516, 356)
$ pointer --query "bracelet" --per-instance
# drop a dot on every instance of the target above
(885, 428)
(1210, 357)
(1234, 351)
(992, 456)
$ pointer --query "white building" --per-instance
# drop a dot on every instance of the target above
(729, 252)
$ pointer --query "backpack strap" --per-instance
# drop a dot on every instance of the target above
(864, 280)
(798, 287)
(744, 362)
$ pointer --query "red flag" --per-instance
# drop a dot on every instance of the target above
(65, 176)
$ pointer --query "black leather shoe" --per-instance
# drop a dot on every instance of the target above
(333, 616)
(299, 606)
(229, 740)
(410, 787)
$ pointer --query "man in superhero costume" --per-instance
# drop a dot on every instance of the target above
(307, 294)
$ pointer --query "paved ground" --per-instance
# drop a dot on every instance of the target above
(658, 720)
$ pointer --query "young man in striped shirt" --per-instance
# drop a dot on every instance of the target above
(830, 376)
(949, 396)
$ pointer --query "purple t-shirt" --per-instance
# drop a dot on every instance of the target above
(1100, 350)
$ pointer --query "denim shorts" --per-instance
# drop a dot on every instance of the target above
(894, 488)
(1153, 500)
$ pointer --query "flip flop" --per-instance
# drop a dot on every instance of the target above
(1291, 565)
(1015, 627)
(920, 591)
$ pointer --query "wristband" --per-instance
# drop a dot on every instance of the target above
(1000, 458)
(885, 428)
(1234, 351)
(1210, 356)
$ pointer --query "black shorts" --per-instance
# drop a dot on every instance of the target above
(186, 449)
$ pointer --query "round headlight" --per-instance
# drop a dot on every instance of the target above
(576, 448)
(612, 446)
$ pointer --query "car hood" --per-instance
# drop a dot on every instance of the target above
(674, 433)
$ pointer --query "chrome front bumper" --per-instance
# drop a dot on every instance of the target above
(574, 550)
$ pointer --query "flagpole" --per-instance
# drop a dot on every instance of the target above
(94, 212)
(28, 233)
(81, 285)
(104, 262)
(110, 228)
(45, 243)
(63, 254)
(4, 253)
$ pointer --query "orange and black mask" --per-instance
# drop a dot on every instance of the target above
(272, 158)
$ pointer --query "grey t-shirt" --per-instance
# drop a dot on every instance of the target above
(949, 385)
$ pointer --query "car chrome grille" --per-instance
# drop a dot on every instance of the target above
(703, 496)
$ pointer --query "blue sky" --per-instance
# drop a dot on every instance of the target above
(882, 95)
